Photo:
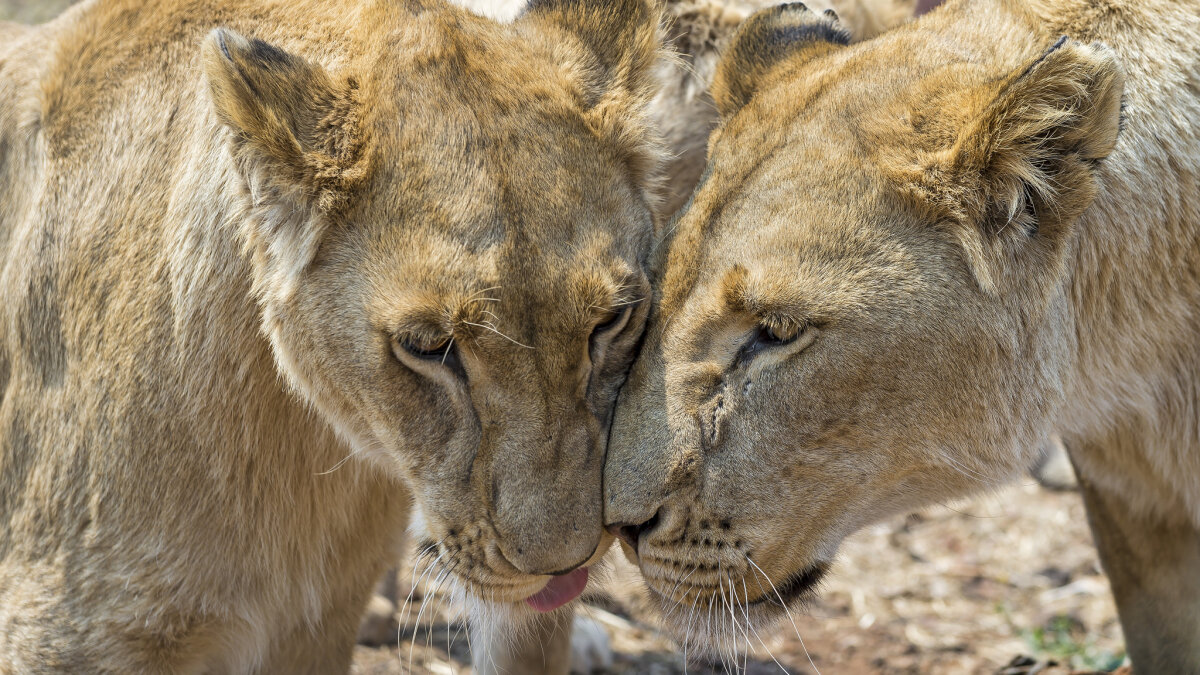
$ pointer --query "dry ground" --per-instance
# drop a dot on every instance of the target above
(949, 590)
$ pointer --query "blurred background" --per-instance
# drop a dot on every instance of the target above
(1004, 584)
(30, 11)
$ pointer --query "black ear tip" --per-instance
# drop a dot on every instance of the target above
(221, 35)
(1058, 44)
(793, 7)
(831, 14)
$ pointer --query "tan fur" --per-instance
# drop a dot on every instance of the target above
(217, 254)
(912, 259)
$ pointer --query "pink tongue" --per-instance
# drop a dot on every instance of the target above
(559, 591)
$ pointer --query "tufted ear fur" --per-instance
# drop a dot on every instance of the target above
(622, 34)
(1022, 169)
(790, 32)
(296, 139)
(625, 39)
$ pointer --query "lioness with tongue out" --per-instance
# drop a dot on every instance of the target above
(272, 272)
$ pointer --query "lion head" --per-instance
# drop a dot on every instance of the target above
(458, 294)
(864, 309)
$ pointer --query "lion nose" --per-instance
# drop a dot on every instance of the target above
(630, 533)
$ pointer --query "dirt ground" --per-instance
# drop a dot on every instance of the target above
(963, 588)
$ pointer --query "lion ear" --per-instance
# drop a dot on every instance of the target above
(296, 142)
(294, 125)
(623, 43)
(624, 35)
(790, 32)
(1024, 165)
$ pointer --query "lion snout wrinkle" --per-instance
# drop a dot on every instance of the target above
(710, 418)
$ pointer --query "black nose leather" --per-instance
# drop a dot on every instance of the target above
(630, 533)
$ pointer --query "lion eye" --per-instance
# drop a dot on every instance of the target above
(441, 351)
(779, 335)
(614, 322)
(771, 336)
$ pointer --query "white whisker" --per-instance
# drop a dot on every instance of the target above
(786, 611)
(750, 625)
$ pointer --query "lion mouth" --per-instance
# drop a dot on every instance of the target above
(559, 591)
(796, 587)
(481, 582)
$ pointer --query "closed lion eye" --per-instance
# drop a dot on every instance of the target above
(610, 328)
(440, 350)
(617, 318)
(775, 334)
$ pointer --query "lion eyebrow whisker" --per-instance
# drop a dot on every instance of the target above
(618, 304)
(489, 326)
(484, 290)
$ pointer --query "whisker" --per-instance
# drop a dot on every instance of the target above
(482, 291)
(497, 332)
(750, 625)
(692, 613)
(680, 581)
(432, 564)
(417, 624)
(733, 623)
(341, 462)
(786, 611)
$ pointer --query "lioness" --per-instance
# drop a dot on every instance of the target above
(257, 291)
(909, 261)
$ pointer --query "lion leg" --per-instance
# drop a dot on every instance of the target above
(541, 647)
(368, 547)
(324, 648)
(1154, 567)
